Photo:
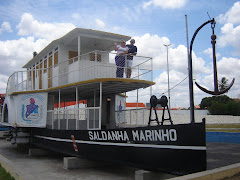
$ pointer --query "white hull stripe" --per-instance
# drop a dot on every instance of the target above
(126, 144)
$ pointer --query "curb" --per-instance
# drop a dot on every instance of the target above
(9, 167)
(214, 174)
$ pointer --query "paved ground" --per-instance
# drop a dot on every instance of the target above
(50, 167)
(222, 154)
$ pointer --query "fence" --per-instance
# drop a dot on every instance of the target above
(74, 119)
(133, 117)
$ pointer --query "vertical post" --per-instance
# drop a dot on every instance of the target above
(42, 75)
(22, 80)
(32, 79)
(100, 105)
(151, 76)
(79, 47)
(130, 117)
(137, 107)
(138, 72)
(94, 110)
(67, 118)
(125, 106)
(77, 107)
(143, 115)
(168, 77)
(53, 119)
(28, 74)
(192, 118)
(59, 104)
(16, 82)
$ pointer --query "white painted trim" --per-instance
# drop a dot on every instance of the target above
(126, 144)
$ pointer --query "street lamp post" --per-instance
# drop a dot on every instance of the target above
(166, 45)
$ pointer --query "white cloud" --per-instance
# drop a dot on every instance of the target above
(3, 83)
(231, 29)
(29, 26)
(209, 52)
(169, 4)
(15, 53)
(230, 36)
(229, 67)
(152, 46)
(100, 23)
(76, 16)
(5, 27)
(231, 16)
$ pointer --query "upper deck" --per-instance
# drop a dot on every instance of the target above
(85, 69)
(81, 56)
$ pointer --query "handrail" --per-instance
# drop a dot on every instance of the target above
(21, 81)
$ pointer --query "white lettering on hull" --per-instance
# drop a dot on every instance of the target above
(137, 135)
(108, 135)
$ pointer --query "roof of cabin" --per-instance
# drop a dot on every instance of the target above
(99, 39)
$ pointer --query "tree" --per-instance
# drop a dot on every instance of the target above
(221, 105)
(223, 84)
(207, 102)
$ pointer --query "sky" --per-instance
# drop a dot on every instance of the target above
(30, 25)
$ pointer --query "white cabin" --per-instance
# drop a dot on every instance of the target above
(78, 66)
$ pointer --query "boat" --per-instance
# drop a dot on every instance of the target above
(69, 100)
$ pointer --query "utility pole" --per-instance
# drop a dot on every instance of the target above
(166, 45)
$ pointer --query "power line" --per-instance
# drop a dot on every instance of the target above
(177, 84)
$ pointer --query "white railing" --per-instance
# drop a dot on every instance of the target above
(92, 65)
(132, 117)
(74, 119)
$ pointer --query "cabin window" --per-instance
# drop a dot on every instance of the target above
(33, 75)
(40, 66)
(37, 67)
(72, 56)
(55, 59)
(50, 63)
(40, 75)
(50, 71)
(29, 74)
(94, 56)
(45, 65)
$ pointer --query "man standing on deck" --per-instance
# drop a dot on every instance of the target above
(132, 51)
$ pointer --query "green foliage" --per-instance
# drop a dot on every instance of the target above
(230, 108)
(5, 175)
(207, 101)
(221, 105)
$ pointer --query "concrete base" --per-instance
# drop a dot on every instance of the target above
(78, 163)
(149, 175)
(2, 134)
(10, 167)
(214, 174)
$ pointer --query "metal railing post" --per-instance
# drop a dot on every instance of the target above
(100, 110)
